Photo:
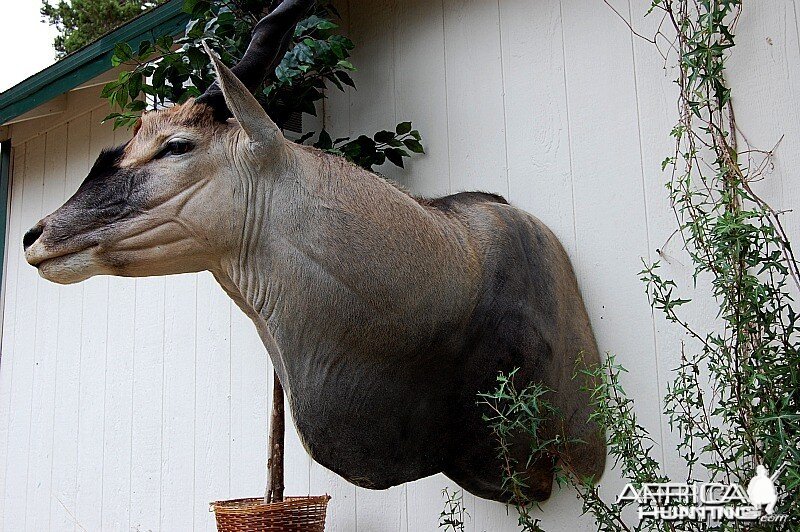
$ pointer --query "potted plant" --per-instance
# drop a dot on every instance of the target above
(273, 512)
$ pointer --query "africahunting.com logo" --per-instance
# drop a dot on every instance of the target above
(708, 501)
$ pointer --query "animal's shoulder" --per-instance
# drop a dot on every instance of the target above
(461, 199)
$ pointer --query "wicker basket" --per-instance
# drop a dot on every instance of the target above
(294, 514)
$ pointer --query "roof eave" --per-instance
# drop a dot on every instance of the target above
(90, 61)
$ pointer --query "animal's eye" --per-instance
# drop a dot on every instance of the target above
(176, 147)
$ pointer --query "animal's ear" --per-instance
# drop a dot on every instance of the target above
(258, 126)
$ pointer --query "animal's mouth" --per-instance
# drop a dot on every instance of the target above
(37, 256)
(40, 263)
(66, 266)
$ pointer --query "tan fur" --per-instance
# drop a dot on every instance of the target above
(155, 127)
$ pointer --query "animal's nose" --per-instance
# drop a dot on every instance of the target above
(31, 236)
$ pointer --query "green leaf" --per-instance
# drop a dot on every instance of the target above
(384, 137)
(108, 88)
(135, 85)
(326, 25)
(137, 105)
(145, 48)
(403, 128)
(414, 145)
(190, 5)
(122, 52)
(395, 156)
(345, 78)
(305, 137)
(324, 142)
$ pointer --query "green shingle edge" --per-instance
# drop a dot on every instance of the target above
(90, 61)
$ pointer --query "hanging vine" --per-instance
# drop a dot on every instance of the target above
(734, 399)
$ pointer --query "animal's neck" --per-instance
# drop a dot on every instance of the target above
(329, 247)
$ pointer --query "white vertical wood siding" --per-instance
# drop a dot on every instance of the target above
(130, 404)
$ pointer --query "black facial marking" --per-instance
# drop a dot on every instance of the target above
(108, 194)
(107, 162)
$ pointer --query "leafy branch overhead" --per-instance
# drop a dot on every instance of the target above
(369, 152)
(167, 70)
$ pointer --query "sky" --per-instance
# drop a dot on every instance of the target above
(26, 43)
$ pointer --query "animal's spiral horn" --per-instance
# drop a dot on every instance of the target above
(271, 38)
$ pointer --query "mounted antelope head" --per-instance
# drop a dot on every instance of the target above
(384, 314)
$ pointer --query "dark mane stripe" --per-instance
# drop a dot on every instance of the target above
(448, 203)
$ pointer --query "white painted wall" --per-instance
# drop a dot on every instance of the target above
(130, 404)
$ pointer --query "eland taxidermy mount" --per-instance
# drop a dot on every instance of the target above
(384, 314)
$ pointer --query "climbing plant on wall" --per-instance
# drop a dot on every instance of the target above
(734, 399)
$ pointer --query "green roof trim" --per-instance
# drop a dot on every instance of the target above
(91, 60)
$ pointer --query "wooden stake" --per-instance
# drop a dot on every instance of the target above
(275, 481)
